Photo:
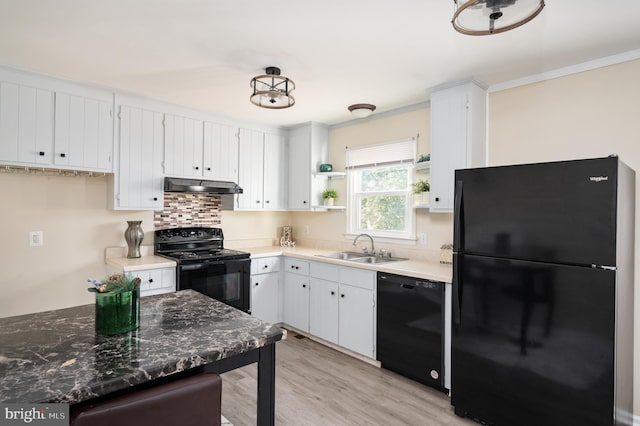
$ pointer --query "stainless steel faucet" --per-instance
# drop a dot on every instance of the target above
(373, 250)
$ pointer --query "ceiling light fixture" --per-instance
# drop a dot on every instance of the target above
(272, 90)
(484, 17)
(361, 110)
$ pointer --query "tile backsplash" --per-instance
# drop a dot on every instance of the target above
(183, 210)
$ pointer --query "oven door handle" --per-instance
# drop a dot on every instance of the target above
(194, 266)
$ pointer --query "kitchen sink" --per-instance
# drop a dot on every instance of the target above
(374, 259)
(342, 255)
(359, 257)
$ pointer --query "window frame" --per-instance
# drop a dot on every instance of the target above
(353, 204)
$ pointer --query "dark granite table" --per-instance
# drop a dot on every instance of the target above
(55, 356)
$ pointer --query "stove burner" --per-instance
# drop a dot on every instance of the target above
(194, 245)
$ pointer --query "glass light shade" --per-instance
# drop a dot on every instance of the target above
(484, 17)
(361, 110)
(272, 90)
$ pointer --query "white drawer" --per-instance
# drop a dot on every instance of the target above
(325, 271)
(265, 265)
(156, 281)
(358, 277)
(296, 266)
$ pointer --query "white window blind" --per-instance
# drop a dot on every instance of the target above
(397, 152)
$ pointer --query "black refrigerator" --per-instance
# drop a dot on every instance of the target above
(542, 294)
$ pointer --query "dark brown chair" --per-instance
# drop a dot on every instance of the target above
(192, 401)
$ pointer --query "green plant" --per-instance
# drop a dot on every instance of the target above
(423, 157)
(421, 186)
(116, 283)
(329, 193)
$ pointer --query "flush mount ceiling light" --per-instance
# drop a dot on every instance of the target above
(361, 110)
(272, 90)
(484, 17)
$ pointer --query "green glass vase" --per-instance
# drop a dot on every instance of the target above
(117, 312)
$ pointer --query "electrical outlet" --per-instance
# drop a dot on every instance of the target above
(423, 238)
(306, 229)
(36, 238)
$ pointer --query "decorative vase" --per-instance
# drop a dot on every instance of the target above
(117, 312)
(328, 201)
(134, 236)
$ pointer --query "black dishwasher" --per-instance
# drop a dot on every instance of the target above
(411, 328)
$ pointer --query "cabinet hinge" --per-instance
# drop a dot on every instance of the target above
(120, 115)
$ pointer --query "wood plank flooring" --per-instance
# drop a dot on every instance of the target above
(317, 385)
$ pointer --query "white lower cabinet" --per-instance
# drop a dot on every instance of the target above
(265, 289)
(152, 281)
(356, 319)
(296, 294)
(323, 309)
(156, 281)
(334, 303)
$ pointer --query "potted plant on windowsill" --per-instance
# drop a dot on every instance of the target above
(328, 197)
(421, 192)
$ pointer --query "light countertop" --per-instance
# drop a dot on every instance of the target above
(117, 256)
(424, 269)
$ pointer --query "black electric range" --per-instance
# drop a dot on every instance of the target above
(204, 265)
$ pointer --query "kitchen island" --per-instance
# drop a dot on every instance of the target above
(55, 356)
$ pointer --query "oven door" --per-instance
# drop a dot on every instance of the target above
(227, 281)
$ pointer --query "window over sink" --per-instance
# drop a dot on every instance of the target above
(379, 192)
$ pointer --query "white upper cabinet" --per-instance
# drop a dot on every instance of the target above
(458, 138)
(220, 152)
(50, 122)
(183, 146)
(262, 171)
(250, 176)
(26, 124)
(83, 132)
(308, 148)
(276, 177)
(138, 180)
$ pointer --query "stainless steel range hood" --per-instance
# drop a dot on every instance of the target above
(201, 186)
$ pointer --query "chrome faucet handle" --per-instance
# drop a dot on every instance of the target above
(365, 250)
(382, 252)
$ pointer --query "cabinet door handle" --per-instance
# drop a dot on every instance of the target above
(292, 267)
(257, 201)
(304, 286)
(41, 153)
(297, 267)
(267, 202)
(63, 155)
(208, 169)
(265, 266)
(197, 168)
(342, 295)
(333, 292)
(155, 198)
(304, 202)
(150, 280)
(437, 199)
(256, 284)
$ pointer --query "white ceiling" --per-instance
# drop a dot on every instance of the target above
(203, 53)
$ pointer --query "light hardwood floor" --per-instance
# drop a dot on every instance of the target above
(317, 385)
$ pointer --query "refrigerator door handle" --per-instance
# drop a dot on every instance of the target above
(457, 220)
(455, 289)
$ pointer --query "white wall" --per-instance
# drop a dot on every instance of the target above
(72, 213)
